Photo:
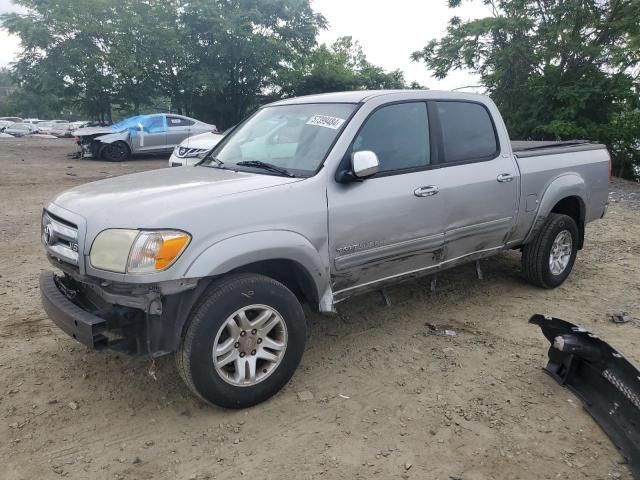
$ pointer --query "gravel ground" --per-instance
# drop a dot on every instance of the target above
(377, 395)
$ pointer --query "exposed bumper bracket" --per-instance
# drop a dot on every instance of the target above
(74, 321)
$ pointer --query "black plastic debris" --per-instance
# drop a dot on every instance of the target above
(607, 383)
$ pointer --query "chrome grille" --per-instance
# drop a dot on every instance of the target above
(183, 152)
(60, 238)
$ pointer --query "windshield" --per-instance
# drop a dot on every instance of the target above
(291, 137)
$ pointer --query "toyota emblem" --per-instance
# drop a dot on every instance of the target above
(47, 234)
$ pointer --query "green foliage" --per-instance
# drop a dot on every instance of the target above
(341, 66)
(210, 58)
(556, 69)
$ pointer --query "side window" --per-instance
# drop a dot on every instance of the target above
(467, 132)
(399, 135)
(179, 122)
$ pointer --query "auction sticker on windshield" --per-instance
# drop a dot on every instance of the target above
(325, 121)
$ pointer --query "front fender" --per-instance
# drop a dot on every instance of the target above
(114, 137)
(244, 249)
(566, 185)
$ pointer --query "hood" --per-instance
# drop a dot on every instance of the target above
(204, 140)
(83, 132)
(150, 199)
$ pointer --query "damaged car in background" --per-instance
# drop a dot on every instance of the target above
(156, 133)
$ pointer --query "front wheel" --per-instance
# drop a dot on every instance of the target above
(548, 259)
(243, 342)
(116, 152)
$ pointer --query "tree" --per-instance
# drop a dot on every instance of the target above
(556, 69)
(211, 58)
(341, 66)
(240, 47)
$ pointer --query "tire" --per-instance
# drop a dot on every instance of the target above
(536, 255)
(213, 321)
(116, 152)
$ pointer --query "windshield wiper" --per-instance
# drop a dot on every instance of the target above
(266, 166)
(208, 158)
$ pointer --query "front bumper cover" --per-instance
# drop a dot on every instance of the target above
(606, 382)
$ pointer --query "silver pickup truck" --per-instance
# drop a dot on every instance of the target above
(311, 199)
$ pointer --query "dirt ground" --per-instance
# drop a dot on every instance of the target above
(390, 398)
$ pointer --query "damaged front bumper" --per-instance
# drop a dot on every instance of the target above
(606, 382)
(137, 319)
(87, 148)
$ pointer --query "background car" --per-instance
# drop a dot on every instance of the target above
(45, 127)
(192, 149)
(20, 129)
(62, 130)
(155, 133)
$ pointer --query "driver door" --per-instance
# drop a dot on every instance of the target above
(390, 224)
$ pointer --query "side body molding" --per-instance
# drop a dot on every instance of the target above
(566, 185)
(241, 250)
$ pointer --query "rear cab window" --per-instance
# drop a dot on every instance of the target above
(468, 132)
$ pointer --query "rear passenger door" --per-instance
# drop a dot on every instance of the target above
(178, 129)
(480, 189)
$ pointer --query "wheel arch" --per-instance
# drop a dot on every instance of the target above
(566, 194)
(285, 256)
(574, 207)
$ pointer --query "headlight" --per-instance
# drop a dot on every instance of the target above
(137, 251)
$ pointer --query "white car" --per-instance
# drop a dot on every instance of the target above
(192, 149)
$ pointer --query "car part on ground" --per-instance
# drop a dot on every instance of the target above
(606, 382)
(155, 133)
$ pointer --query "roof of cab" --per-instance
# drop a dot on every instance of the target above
(361, 96)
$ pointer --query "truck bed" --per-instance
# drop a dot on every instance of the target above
(524, 148)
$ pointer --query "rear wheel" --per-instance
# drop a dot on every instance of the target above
(116, 151)
(243, 342)
(548, 259)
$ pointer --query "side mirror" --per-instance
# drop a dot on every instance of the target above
(364, 163)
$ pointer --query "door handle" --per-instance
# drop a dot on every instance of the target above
(427, 191)
(505, 177)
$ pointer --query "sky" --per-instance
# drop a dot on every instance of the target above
(389, 31)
